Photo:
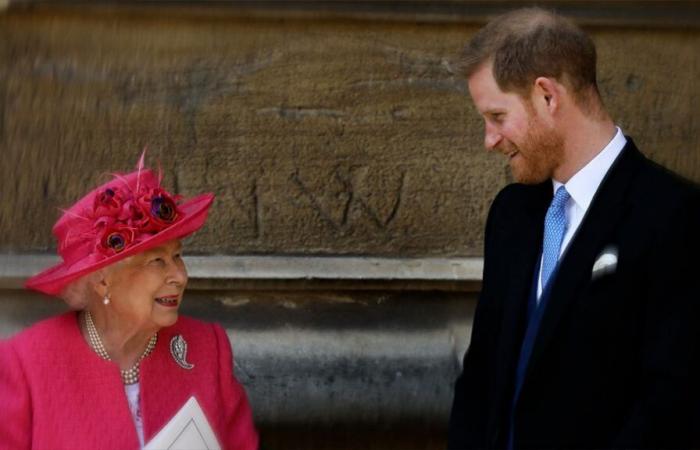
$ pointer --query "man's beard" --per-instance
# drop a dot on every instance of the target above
(540, 153)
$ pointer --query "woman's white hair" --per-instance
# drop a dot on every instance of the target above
(79, 293)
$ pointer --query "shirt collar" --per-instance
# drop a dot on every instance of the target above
(584, 184)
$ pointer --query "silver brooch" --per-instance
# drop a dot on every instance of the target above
(178, 348)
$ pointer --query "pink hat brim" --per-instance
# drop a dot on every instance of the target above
(54, 279)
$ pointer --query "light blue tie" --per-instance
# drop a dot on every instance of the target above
(555, 226)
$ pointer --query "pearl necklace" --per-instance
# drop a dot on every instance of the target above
(130, 375)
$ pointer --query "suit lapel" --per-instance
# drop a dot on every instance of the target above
(574, 268)
(524, 247)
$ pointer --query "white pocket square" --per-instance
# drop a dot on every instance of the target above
(605, 263)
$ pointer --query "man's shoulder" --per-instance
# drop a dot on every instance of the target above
(657, 193)
(654, 196)
(661, 185)
(516, 196)
(519, 191)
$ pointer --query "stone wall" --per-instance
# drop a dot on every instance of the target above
(317, 136)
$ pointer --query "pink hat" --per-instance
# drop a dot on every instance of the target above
(121, 218)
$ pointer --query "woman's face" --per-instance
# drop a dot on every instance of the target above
(146, 289)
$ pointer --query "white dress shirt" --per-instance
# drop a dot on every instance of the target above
(582, 187)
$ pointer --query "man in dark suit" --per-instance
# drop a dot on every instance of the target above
(586, 330)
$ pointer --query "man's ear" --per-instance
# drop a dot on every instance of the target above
(547, 95)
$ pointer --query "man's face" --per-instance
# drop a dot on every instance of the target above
(514, 128)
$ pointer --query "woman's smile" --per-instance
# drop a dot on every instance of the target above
(168, 301)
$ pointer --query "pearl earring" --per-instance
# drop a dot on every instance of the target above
(105, 300)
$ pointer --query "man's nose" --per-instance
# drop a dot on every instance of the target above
(491, 137)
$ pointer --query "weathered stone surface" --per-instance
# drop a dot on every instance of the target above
(318, 137)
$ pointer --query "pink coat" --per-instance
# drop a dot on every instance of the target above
(56, 393)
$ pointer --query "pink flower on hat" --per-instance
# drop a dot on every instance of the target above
(108, 202)
(114, 239)
(122, 218)
(158, 207)
(133, 215)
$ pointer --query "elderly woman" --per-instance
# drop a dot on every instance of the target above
(114, 373)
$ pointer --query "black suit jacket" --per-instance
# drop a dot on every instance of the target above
(615, 361)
